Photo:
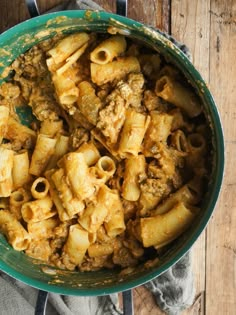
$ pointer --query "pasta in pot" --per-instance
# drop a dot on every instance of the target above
(116, 161)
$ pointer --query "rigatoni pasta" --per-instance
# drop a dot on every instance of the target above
(115, 161)
(4, 115)
(38, 210)
(76, 245)
(40, 188)
(20, 169)
(17, 236)
(88, 103)
(135, 168)
(174, 92)
(6, 165)
(118, 69)
(43, 151)
(67, 46)
(133, 133)
(107, 50)
(162, 229)
(16, 200)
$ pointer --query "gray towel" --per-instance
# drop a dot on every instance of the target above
(173, 290)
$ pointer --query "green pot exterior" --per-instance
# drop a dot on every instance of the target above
(23, 36)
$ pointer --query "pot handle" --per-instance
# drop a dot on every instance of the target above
(127, 297)
(41, 303)
(121, 7)
(32, 8)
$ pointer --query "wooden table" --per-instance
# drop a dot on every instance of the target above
(208, 27)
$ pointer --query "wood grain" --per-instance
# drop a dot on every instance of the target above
(108, 5)
(187, 26)
(10, 16)
(221, 233)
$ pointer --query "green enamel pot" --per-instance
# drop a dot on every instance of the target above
(19, 39)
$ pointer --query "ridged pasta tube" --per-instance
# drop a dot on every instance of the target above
(117, 69)
(107, 50)
(37, 210)
(6, 165)
(162, 229)
(16, 235)
(4, 115)
(175, 93)
(40, 188)
(77, 244)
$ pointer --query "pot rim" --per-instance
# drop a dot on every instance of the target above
(193, 75)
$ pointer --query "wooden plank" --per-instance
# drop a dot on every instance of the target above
(163, 20)
(10, 16)
(143, 12)
(221, 233)
(190, 24)
(107, 5)
(47, 5)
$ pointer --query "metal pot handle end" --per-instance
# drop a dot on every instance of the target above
(41, 303)
(32, 8)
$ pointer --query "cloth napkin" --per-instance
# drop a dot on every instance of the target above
(173, 290)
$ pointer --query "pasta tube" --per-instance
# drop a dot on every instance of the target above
(4, 115)
(95, 213)
(78, 176)
(38, 210)
(72, 59)
(20, 170)
(6, 165)
(61, 148)
(179, 141)
(16, 235)
(107, 50)
(90, 152)
(117, 69)
(98, 250)
(162, 229)
(114, 223)
(133, 133)
(175, 93)
(134, 171)
(72, 204)
(40, 188)
(67, 46)
(158, 131)
(17, 199)
(62, 213)
(185, 194)
(88, 102)
(196, 144)
(42, 229)
(65, 85)
(20, 134)
(51, 128)
(97, 176)
(43, 151)
(77, 244)
(107, 166)
(39, 249)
